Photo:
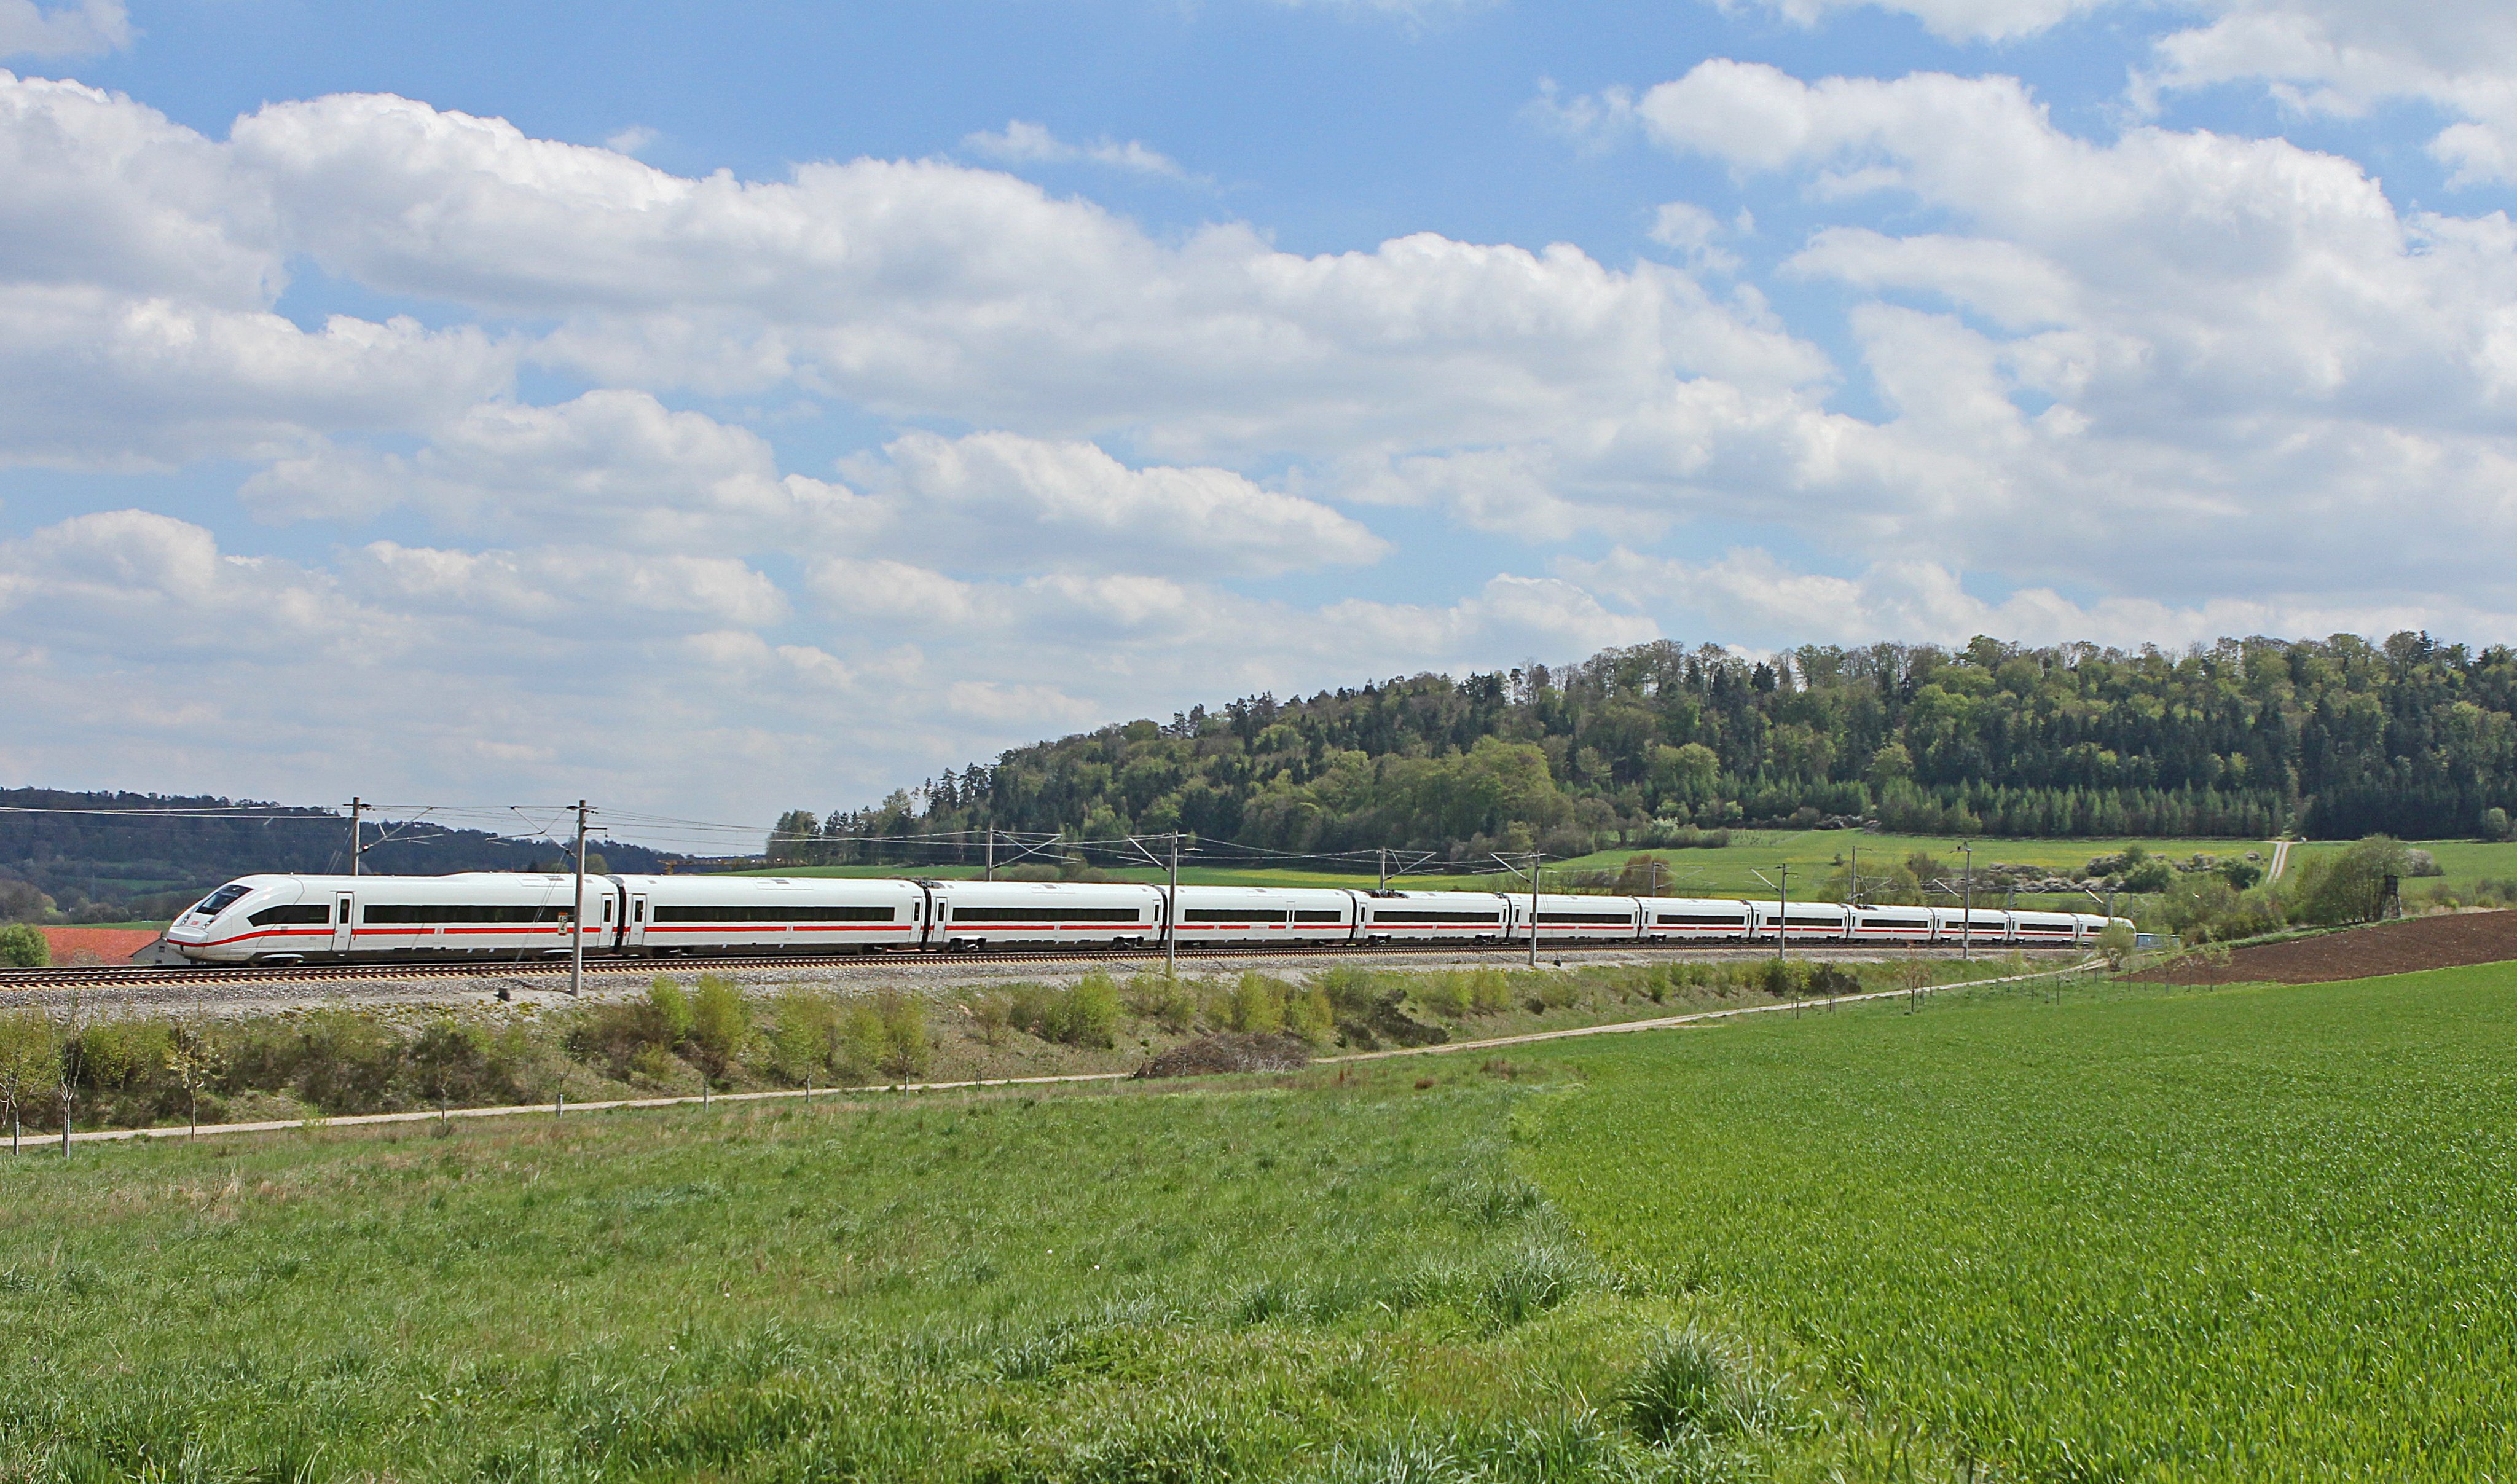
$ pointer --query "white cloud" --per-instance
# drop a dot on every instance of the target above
(1949, 19)
(616, 462)
(81, 28)
(584, 587)
(630, 139)
(1692, 230)
(1000, 499)
(138, 271)
(923, 289)
(1022, 143)
(2338, 58)
(1748, 593)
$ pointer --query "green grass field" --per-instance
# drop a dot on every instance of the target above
(2248, 1235)
(1339, 1281)
(2095, 1234)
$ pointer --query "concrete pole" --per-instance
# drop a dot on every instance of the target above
(576, 914)
(1783, 910)
(1171, 917)
(1533, 909)
(1966, 920)
(357, 807)
(992, 852)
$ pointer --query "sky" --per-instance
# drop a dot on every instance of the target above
(711, 409)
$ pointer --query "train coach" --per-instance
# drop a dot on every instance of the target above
(511, 916)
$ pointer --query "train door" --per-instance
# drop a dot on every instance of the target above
(633, 933)
(343, 904)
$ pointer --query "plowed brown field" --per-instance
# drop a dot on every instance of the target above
(2385, 948)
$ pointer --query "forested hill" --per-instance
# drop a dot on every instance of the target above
(100, 856)
(2336, 738)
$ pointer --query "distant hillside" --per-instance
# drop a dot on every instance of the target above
(155, 858)
(2336, 738)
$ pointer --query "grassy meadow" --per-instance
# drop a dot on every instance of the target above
(2251, 1234)
(1337, 1276)
(2094, 1232)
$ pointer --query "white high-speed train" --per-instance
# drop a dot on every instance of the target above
(504, 916)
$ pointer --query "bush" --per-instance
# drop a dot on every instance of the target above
(113, 1054)
(803, 1034)
(907, 1050)
(718, 1025)
(1162, 999)
(1256, 1006)
(1086, 1014)
(2346, 886)
(23, 947)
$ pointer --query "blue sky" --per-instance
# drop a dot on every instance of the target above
(723, 408)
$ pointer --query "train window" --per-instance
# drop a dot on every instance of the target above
(1217, 915)
(1790, 921)
(1313, 917)
(1383, 914)
(459, 912)
(1586, 919)
(312, 911)
(798, 913)
(1698, 919)
(221, 900)
(1048, 914)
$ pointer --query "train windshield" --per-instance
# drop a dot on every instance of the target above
(221, 900)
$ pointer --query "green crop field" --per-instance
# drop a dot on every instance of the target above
(2258, 1234)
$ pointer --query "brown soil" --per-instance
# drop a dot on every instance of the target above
(1231, 1051)
(2441, 942)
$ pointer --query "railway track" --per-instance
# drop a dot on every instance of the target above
(138, 976)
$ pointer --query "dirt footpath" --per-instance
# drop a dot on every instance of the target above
(2446, 941)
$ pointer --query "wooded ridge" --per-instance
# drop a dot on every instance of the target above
(2334, 738)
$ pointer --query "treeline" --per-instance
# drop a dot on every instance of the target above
(105, 857)
(2335, 738)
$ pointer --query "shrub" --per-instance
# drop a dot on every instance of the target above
(803, 1034)
(864, 1042)
(1092, 1012)
(1257, 1005)
(1162, 999)
(31, 1058)
(1445, 995)
(1309, 1015)
(23, 947)
(2348, 884)
(1086, 1014)
(450, 1062)
(718, 1025)
(906, 1048)
(113, 1054)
